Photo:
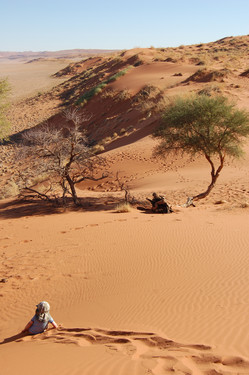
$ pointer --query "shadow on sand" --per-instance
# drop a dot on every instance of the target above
(14, 338)
(14, 209)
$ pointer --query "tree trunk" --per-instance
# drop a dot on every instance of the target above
(64, 192)
(73, 191)
(210, 187)
(214, 176)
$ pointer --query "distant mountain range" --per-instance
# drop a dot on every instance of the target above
(63, 54)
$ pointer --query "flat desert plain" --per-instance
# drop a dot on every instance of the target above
(133, 293)
(28, 79)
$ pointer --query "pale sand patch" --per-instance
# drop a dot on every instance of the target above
(27, 79)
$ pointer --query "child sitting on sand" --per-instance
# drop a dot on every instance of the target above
(39, 322)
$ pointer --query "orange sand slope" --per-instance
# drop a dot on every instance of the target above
(162, 75)
(123, 286)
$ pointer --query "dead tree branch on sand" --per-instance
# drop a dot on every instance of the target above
(126, 189)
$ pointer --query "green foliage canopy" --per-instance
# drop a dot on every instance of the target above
(205, 125)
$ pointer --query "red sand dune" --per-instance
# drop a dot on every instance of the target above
(134, 293)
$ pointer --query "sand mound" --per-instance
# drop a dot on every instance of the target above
(77, 68)
(205, 75)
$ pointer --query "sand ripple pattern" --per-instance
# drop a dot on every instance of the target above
(135, 353)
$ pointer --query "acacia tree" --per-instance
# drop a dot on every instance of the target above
(209, 126)
(60, 155)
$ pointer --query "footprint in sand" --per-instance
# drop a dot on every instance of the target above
(25, 241)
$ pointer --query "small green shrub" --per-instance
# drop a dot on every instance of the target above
(97, 89)
(117, 75)
(89, 94)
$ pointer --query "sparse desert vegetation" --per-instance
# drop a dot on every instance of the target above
(98, 89)
(123, 207)
(125, 107)
(62, 156)
(4, 123)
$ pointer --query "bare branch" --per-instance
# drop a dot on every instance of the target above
(125, 188)
(62, 155)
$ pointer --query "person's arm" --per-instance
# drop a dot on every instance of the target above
(28, 326)
(55, 325)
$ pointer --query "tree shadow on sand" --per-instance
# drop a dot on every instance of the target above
(17, 208)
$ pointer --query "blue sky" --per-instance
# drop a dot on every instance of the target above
(40, 25)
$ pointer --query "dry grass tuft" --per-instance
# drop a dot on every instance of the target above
(211, 90)
(123, 207)
(205, 75)
(124, 95)
(10, 189)
(98, 148)
(117, 95)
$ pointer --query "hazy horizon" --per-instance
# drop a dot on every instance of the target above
(113, 25)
